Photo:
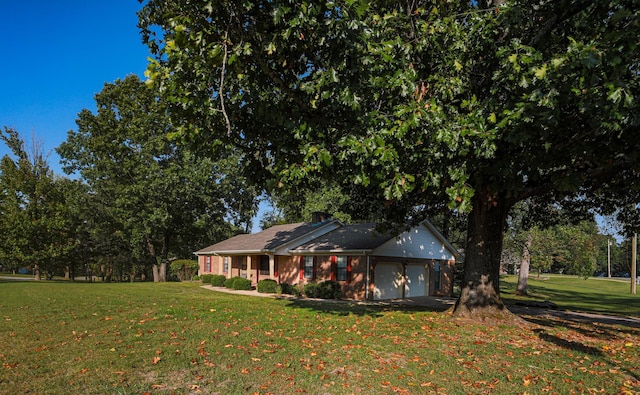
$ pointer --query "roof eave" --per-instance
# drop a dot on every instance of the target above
(235, 252)
(336, 251)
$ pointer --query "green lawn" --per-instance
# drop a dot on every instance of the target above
(597, 295)
(79, 338)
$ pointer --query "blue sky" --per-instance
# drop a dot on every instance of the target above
(56, 55)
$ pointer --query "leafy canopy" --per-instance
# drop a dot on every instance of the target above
(429, 101)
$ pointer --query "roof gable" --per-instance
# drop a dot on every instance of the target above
(356, 237)
(422, 241)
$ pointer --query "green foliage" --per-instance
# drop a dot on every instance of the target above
(184, 269)
(472, 105)
(238, 283)
(218, 280)
(228, 283)
(267, 286)
(289, 289)
(159, 197)
(242, 284)
(324, 290)
(570, 249)
(38, 217)
(206, 278)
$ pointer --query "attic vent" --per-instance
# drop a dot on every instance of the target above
(319, 217)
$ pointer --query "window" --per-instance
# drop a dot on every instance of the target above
(207, 264)
(308, 267)
(225, 264)
(438, 273)
(341, 268)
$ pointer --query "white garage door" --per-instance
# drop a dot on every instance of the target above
(388, 281)
(417, 281)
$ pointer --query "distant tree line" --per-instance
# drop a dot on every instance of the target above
(136, 199)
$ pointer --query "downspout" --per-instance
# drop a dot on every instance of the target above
(366, 289)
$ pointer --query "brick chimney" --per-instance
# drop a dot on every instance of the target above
(319, 217)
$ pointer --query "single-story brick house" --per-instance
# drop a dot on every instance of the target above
(369, 265)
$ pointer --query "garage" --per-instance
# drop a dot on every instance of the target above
(417, 283)
(387, 281)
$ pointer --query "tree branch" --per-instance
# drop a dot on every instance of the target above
(221, 87)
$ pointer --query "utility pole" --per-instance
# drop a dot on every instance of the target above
(608, 257)
(634, 247)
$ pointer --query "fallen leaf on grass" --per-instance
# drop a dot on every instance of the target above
(156, 359)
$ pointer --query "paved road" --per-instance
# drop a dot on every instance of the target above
(16, 278)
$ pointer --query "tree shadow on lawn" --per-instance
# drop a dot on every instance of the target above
(370, 309)
(582, 348)
(568, 344)
(587, 301)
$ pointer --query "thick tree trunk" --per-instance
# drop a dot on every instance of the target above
(36, 273)
(163, 271)
(156, 272)
(163, 258)
(523, 275)
(154, 261)
(480, 294)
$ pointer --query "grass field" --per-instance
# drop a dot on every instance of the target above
(78, 338)
(597, 295)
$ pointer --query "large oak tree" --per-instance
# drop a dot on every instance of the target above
(166, 200)
(477, 105)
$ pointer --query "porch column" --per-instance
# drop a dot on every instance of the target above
(249, 267)
(272, 267)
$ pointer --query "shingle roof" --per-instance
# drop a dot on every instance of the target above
(267, 240)
(347, 238)
(300, 238)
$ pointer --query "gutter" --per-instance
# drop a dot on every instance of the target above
(330, 252)
(366, 279)
(234, 252)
